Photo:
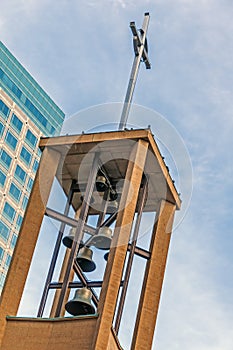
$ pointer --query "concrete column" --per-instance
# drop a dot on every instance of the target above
(20, 264)
(115, 265)
(153, 279)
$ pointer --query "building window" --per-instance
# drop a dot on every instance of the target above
(8, 260)
(25, 155)
(4, 110)
(16, 123)
(5, 159)
(9, 212)
(30, 184)
(11, 140)
(35, 166)
(25, 202)
(1, 253)
(20, 174)
(2, 279)
(9, 83)
(31, 139)
(2, 178)
(13, 240)
(19, 221)
(38, 152)
(4, 231)
(1, 129)
(15, 192)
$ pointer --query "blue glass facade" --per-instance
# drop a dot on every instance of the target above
(26, 114)
(27, 93)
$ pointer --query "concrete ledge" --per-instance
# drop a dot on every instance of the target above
(44, 319)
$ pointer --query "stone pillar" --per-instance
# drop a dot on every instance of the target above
(20, 264)
(153, 279)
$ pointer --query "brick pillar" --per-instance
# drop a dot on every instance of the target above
(20, 264)
(153, 279)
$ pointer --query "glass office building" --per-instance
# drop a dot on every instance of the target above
(26, 114)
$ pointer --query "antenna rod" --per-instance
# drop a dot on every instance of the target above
(141, 55)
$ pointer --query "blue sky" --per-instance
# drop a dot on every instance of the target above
(81, 54)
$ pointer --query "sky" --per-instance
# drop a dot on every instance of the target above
(81, 53)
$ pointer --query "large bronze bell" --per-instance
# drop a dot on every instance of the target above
(84, 259)
(101, 183)
(103, 238)
(68, 240)
(81, 303)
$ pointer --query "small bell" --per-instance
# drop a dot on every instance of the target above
(84, 259)
(103, 238)
(113, 195)
(68, 240)
(81, 303)
(112, 207)
(106, 256)
(101, 184)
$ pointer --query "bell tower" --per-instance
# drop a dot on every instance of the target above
(88, 168)
(109, 180)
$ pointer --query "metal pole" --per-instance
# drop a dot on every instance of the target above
(103, 208)
(140, 54)
(142, 201)
(55, 254)
(90, 284)
(79, 230)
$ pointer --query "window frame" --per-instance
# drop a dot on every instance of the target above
(9, 142)
(16, 198)
(17, 177)
(22, 156)
(3, 162)
(6, 213)
(14, 126)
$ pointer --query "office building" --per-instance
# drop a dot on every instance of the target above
(26, 114)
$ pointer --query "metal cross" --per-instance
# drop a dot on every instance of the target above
(141, 55)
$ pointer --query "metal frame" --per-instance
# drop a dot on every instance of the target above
(55, 254)
(66, 220)
(81, 228)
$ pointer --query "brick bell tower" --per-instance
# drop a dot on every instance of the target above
(89, 168)
(115, 177)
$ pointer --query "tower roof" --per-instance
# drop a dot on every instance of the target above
(114, 147)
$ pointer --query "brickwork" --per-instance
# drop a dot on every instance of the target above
(57, 334)
(16, 278)
(153, 280)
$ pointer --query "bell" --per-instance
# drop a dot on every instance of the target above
(112, 207)
(103, 238)
(106, 256)
(101, 184)
(113, 195)
(81, 303)
(91, 200)
(84, 259)
(68, 240)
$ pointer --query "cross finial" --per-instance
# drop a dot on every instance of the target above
(141, 55)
